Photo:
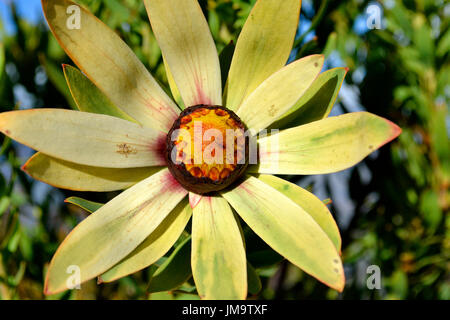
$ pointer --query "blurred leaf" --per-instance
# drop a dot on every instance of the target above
(174, 271)
(4, 204)
(264, 258)
(331, 45)
(444, 45)
(429, 207)
(399, 284)
(56, 77)
(87, 205)
(225, 57)
(253, 280)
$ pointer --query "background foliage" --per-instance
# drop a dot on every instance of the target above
(392, 209)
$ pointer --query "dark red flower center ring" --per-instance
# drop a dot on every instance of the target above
(207, 148)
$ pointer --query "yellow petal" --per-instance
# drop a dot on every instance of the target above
(316, 103)
(188, 47)
(155, 246)
(276, 95)
(308, 202)
(112, 232)
(324, 146)
(288, 229)
(218, 256)
(110, 64)
(263, 47)
(85, 138)
(67, 175)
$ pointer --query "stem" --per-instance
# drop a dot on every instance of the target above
(315, 22)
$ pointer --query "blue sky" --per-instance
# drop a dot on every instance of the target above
(29, 9)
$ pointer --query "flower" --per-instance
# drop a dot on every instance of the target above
(126, 148)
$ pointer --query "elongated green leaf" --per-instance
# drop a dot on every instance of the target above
(155, 246)
(253, 280)
(264, 258)
(225, 58)
(324, 146)
(317, 102)
(218, 254)
(175, 271)
(310, 203)
(88, 97)
(112, 232)
(84, 204)
(67, 175)
(110, 64)
(85, 138)
(173, 86)
(56, 77)
(288, 229)
(263, 47)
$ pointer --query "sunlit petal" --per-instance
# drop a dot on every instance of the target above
(218, 256)
(110, 64)
(263, 47)
(288, 229)
(85, 138)
(112, 232)
(188, 48)
(324, 146)
(68, 175)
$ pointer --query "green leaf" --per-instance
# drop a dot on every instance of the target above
(264, 258)
(87, 205)
(4, 205)
(253, 280)
(225, 58)
(331, 45)
(175, 271)
(430, 209)
(56, 77)
(317, 102)
(88, 97)
(444, 45)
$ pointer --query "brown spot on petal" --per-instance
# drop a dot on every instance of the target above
(125, 149)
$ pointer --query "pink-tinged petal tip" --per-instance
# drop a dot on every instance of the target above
(395, 131)
(194, 199)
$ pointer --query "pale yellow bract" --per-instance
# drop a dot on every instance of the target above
(118, 145)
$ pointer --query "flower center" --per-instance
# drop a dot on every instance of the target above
(207, 148)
